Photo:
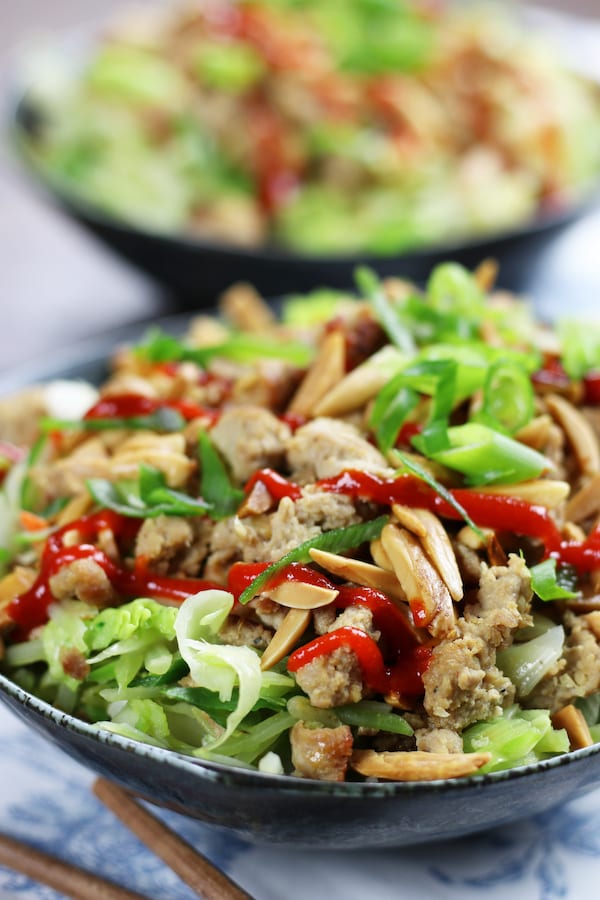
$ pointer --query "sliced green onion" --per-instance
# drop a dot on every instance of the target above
(370, 285)
(546, 582)
(508, 397)
(147, 499)
(484, 456)
(163, 419)
(216, 486)
(435, 485)
(336, 541)
(240, 347)
(371, 714)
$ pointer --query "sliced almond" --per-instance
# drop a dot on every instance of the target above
(258, 501)
(286, 637)
(409, 518)
(572, 720)
(434, 537)
(579, 432)
(75, 509)
(586, 502)
(486, 273)
(16, 582)
(471, 539)
(380, 556)
(327, 370)
(536, 433)
(543, 491)
(359, 572)
(243, 306)
(300, 595)
(429, 598)
(416, 765)
(359, 386)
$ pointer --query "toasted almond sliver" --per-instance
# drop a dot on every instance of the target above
(420, 579)
(417, 765)
(359, 572)
(544, 491)
(285, 638)
(536, 433)
(571, 719)
(327, 370)
(486, 273)
(580, 433)
(243, 306)
(75, 509)
(436, 543)
(300, 595)
(380, 556)
(586, 502)
(359, 386)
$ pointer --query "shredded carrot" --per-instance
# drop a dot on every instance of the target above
(32, 522)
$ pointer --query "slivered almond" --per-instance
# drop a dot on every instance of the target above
(359, 572)
(486, 273)
(472, 540)
(543, 491)
(571, 719)
(427, 594)
(380, 557)
(300, 595)
(586, 502)
(579, 432)
(75, 509)
(326, 371)
(572, 532)
(258, 501)
(286, 637)
(416, 765)
(434, 537)
(243, 306)
(536, 433)
(409, 518)
(358, 387)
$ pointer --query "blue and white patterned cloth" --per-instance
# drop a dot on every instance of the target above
(45, 799)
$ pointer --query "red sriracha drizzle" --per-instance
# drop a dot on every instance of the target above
(276, 484)
(30, 608)
(405, 660)
(126, 406)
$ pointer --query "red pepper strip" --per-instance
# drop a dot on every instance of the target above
(276, 484)
(487, 510)
(30, 609)
(124, 406)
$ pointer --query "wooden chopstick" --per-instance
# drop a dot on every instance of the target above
(62, 876)
(191, 866)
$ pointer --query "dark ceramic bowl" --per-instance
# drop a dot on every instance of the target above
(282, 809)
(196, 270)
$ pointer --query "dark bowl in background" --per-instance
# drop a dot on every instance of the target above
(196, 270)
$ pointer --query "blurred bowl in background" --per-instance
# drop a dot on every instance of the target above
(530, 205)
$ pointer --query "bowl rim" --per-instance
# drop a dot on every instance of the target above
(244, 777)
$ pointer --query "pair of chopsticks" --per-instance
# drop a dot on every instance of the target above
(191, 866)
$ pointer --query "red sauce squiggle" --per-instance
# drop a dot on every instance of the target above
(276, 484)
(30, 609)
(126, 406)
